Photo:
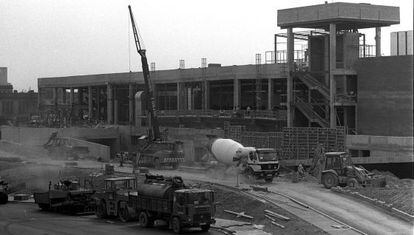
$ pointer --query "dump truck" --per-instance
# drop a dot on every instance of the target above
(258, 163)
(157, 198)
(4, 191)
(338, 169)
(66, 196)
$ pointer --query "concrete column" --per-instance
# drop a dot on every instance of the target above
(98, 103)
(64, 95)
(71, 95)
(290, 63)
(55, 95)
(206, 95)
(236, 92)
(378, 41)
(179, 96)
(115, 95)
(90, 102)
(39, 100)
(332, 68)
(109, 104)
(270, 95)
(275, 49)
(131, 104)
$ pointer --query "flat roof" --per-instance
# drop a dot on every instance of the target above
(344, 15)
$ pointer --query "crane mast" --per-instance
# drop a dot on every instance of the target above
(150, 100)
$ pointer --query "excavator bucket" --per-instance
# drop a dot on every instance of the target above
(377, 181)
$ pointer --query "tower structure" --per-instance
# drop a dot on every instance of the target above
(324, 93)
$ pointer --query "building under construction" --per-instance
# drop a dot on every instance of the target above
(327, 76)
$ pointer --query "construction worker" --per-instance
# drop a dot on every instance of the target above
(301, 171)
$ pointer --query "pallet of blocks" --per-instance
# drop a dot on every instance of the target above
(299, 143)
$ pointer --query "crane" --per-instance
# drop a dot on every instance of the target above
(150, 100)
(156, 152)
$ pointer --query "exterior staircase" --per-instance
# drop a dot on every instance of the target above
(308, 110)
(312, 83)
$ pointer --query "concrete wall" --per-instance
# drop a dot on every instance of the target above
(39, 136)
(95, 150)
(385, 96)
(383, 149)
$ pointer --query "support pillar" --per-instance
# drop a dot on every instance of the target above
(55, 96)
(290, 63)
(206, 95)
(270, 95)
(236, 92)
(109, 104)
(71, 95)
(115, 95)
(98, 103)
(332, 67)
(90, 103)
(378, 41)
(275, 48)
(131, 104)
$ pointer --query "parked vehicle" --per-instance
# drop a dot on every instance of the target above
(66, 196)
(158, 198)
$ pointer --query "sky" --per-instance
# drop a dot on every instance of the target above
(53, 38)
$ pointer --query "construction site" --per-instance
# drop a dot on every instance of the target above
(316, 137)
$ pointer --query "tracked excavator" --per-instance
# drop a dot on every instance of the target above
(154, 152)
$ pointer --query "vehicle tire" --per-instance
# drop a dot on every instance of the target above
(205, 228)
(353, 183)
(123, 212)
(4, 198)
(157, 164)
(329, 180)
(176, 225)
(101, 210)
(144, 220)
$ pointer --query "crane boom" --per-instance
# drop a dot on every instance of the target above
(150, 100)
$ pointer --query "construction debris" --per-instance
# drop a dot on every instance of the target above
(272, 220)
(274, 214)
(239, 214)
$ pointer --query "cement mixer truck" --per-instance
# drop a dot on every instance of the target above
(257, 163)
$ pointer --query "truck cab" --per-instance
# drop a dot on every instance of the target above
(193, 208)
(113, 200)
(262, 163)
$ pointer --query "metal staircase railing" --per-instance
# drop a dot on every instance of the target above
(308, 110)
(312, 83)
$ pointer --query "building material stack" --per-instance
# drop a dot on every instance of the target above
(299, 143)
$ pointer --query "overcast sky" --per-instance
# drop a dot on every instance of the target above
(48, 38)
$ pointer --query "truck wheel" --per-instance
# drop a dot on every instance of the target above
(144, 220)
(123, 212)
(4, 198)
(329, 180)
(157, 164)
(101, 210)
(353, 183)
(176, 225)
(205, 228)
